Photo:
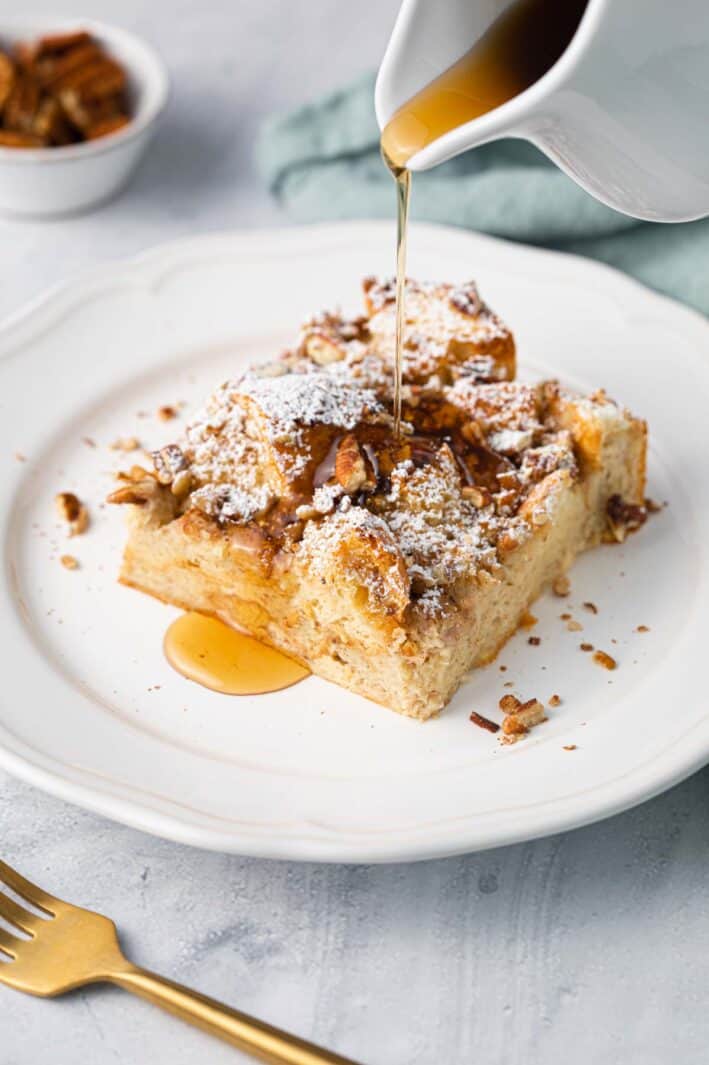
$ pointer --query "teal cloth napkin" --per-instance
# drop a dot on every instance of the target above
(322, 162)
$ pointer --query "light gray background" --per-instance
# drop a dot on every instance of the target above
(588, 947)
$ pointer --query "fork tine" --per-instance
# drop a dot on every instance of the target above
(28, 891)
(9, 945)
(17, 915)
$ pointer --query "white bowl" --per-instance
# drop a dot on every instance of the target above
(46, 182)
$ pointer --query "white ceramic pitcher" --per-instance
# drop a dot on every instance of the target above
(624, 111)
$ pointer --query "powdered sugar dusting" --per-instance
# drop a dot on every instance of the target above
(370, 549)
(228, 468)
(321, 397)
(441, 536)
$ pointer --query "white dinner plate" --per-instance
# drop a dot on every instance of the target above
(90, 710)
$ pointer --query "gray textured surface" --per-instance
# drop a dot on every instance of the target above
(587, 947)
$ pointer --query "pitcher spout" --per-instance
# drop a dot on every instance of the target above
(621, 108)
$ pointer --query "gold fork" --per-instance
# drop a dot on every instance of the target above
(69, 947)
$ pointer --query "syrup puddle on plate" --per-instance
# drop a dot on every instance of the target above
(212, 654)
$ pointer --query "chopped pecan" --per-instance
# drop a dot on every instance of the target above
(52, 69)
(21, 105)
(521, 720)
(59, 42)
(513, 728)
(73, 512)
(107, 81)
(326, 336)
(465, 299)
(322, 348)
(624, 518)
(50, 123)
(474, 495)
(139, 493)
(95, 79)
(104, 126)
(138, 486)
(10, 138)
(605, 660)
(7, 78)
(509, 703)
(182, 484)
(168, 462)
(350, 465)
(484, 722)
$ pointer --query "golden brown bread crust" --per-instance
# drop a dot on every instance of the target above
(389, 566)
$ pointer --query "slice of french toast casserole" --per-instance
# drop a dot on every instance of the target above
(290, 509)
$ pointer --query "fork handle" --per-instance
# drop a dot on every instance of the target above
(254, 1037)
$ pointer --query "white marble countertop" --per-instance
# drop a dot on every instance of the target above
(589, 946)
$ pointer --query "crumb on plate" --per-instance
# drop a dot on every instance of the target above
(72, 511)
(484, 722)
(561, 586)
